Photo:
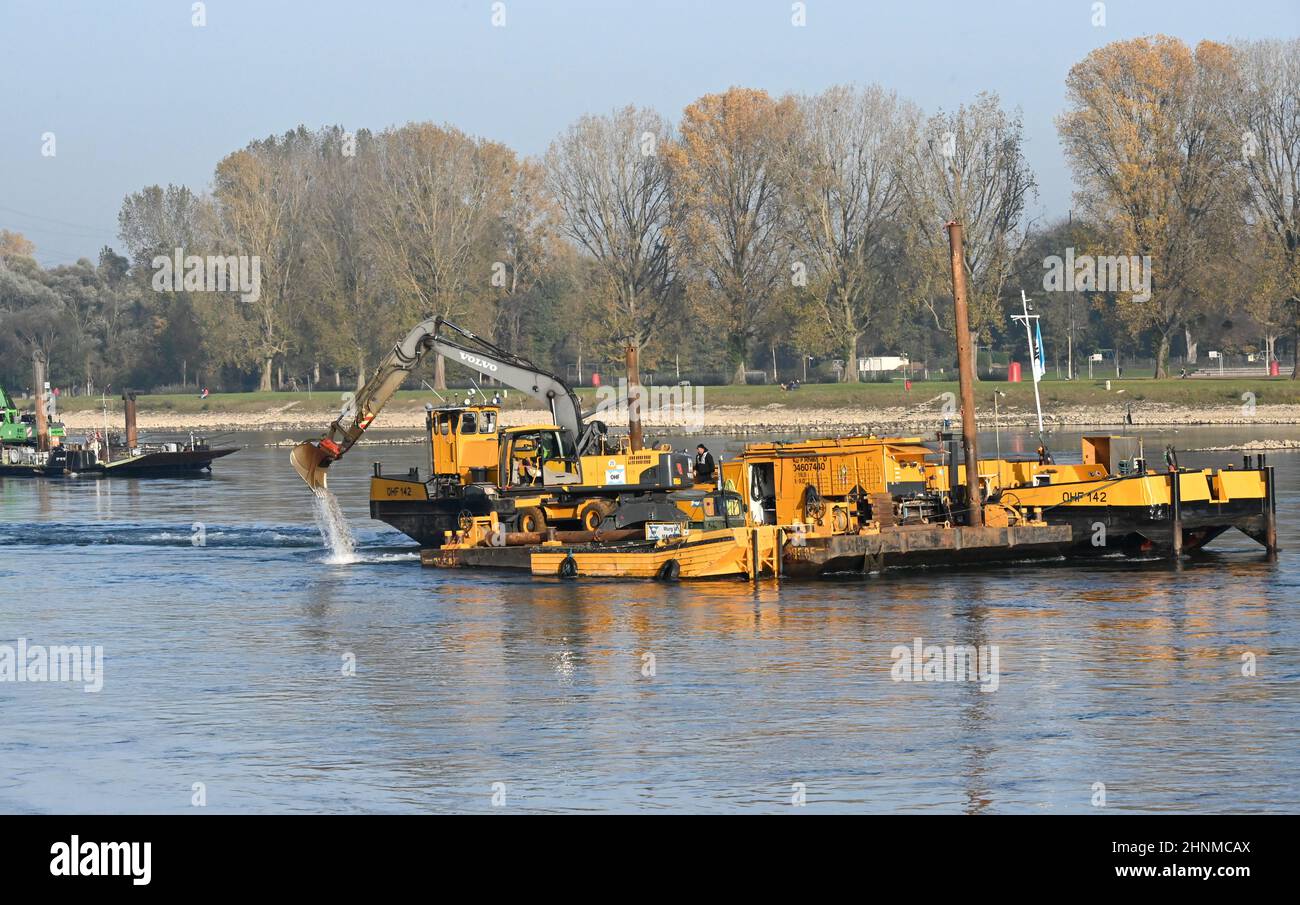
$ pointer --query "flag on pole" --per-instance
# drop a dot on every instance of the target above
(1040, 362)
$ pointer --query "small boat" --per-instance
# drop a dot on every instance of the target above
(718, 553)
(696, 534)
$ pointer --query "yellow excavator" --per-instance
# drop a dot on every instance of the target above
(565, 471)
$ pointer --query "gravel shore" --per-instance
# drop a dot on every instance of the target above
(776, 418)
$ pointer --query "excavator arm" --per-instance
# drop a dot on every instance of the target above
(312, 458)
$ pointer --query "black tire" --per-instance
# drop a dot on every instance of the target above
(592, 513)
(814, 506)
(568, 567)
(669, 571)
(531, 520)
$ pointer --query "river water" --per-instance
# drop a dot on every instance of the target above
(244, 670)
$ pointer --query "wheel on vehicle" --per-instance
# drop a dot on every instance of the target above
(592, 513)
(532, 520)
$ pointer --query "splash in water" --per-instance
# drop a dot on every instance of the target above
(334, 529)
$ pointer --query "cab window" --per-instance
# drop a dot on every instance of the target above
(444, 424)
(488, 423)
(468, 423)
(546, 444)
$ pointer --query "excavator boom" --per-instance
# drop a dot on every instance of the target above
(312, 458)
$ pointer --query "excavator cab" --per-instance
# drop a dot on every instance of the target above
(538, 456)
(463, 441)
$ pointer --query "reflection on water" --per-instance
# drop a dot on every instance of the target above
(227, 636)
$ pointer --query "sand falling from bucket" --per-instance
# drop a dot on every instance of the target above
(334, 529)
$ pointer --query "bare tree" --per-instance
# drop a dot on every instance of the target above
(1268, 112)
(1147, 135)
(436, 197)
(726, 171)
(608, 177)
(844, 193)
(969, 165)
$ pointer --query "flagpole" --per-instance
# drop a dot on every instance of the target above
(1033, 359)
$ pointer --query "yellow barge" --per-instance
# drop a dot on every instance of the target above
(715, 537)
(697, 535)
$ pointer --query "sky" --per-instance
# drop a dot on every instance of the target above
(135, 94)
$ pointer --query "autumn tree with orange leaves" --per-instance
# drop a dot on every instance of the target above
(1150, 139)
(726, 178)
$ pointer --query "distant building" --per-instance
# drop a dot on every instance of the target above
(881, 363)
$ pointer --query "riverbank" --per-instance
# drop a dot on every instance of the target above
(758, 410)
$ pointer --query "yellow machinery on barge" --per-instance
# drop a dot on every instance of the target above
(528, 475)
(857, 504)
(864, 504)
(1114, 502)
(810, 509)
(564, 471)
(1111, 501)
(708, 539)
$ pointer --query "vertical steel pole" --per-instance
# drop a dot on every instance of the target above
(965, 374)
(38, 391)
(1270, 510)
(633, 398)
(128, 407)
(1176, 509)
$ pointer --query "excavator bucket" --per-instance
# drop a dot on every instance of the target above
(310, 461)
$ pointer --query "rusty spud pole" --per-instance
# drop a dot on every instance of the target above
(965, 374)
(38, 390)
(634, 439)
(128, 406)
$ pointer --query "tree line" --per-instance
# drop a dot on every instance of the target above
(754, 231)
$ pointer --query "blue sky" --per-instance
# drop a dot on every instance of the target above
(136, 95)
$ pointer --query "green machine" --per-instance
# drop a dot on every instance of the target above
(20, 427)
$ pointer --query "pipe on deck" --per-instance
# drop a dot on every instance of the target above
(535, 538)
